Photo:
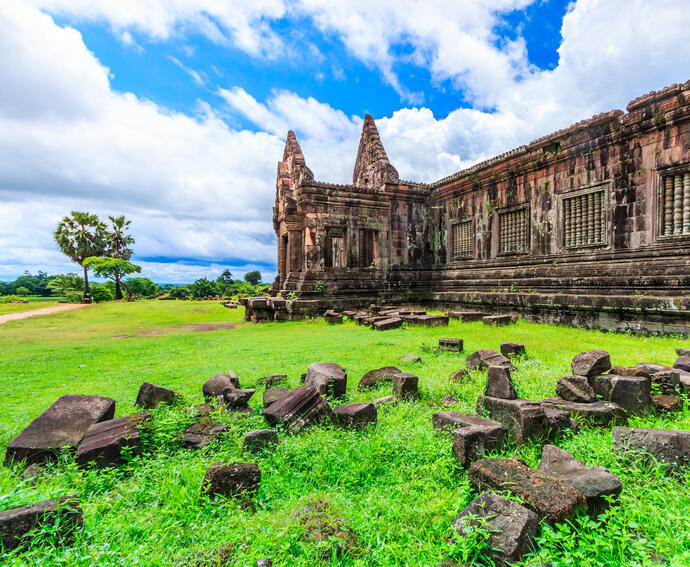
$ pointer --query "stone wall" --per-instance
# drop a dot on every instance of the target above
(599, 209)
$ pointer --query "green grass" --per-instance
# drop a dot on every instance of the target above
(395, 488)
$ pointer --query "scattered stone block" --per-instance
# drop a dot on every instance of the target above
(670, 404)
(240, 479)
(524, 419)
(103, 443)
(500, 320)
(216, 384)
(63, 424)
(273, 395)
(200, 434)
(596, 483)
(150, 396)
(474, 442)
(332, 317)
(237, 398)
(428, 320)
(667, 381)
(550, 498)
(629, 371)
(632, 393)
(405, 385)
(202, 410)
(373, 377)
(595, 413)
(512, 349)
(683, 351)
(260, 440)
(264, 562)
(670, 447)
(384, 400)
(328, 378)
(298, 408)
(456, 420)
(459, 375)
(575, 389)
(450, 344)
(272, 380)
(16, 523)
(449, 400)
(487, 357)
(386, 324)
(356, 414)
(499, 383)
(591, 363)
(683, 363)
(512, 527)
(411, 358)
(466, 315)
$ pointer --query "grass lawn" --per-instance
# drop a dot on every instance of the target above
(6, 308)
(392, 491)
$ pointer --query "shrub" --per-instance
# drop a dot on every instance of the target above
(9, 298)
(21, 290)
(101, 292)
(204, 288)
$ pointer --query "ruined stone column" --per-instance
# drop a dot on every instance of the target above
(678, 204)
(295, 251)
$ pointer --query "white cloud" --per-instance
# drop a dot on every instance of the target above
(199, 77)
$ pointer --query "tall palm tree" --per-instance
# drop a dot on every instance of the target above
(118, 247)
(79, 236)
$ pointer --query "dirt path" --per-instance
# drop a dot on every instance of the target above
(44, 311)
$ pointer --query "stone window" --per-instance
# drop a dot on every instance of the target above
(367, 247)
(675, 205)
(584, 219)
(461, 240)
(514, 231)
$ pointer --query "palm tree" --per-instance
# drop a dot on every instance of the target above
(119, 243)
(80, 236)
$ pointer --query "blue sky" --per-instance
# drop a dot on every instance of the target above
(175, 113)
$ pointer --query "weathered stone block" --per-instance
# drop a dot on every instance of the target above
(405, 385)
(386, 324)
(332, 317)
(237, 398)
(260, 440)
(150, 396)
(298, 409)
(596, 483)
(63, 424)
(103, 443)
(512, 527)
(466, 315)
(512, 349)
(499, 320)
(683, 363)
(450, 344)
(632, 393)
(216, 384)
(670, 404)
(487, 357)
(357, 414)
(667, 381)
(523, 419)
(455, 420)
(475, 441)
(499, 383)
(595, 413)
(670, 447)
(239, 479)
(272, 380)
(328, 378)
(15, 523)
(273, 395)
(411, 358)
(590, 363)
(575, 389)
(373, 377)
(200, 434)
(550, 498)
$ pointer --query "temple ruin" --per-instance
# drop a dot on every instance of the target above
(589, 226)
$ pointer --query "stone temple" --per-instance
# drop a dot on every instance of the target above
(588, 226)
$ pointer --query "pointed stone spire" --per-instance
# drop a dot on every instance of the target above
(292, 150)
(372, 168)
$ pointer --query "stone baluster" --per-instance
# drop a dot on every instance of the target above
(567, 236)
(686, 203)
(590, 218)
(578, 221)
(678, 204)
(597, 216)
(668, 205)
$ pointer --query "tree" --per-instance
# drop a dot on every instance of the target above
(142, 287)
(119, 242)
(80, 236)
(252, 277)
(112, 268)
(225, 277)
(69, 286)
(202, 288)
